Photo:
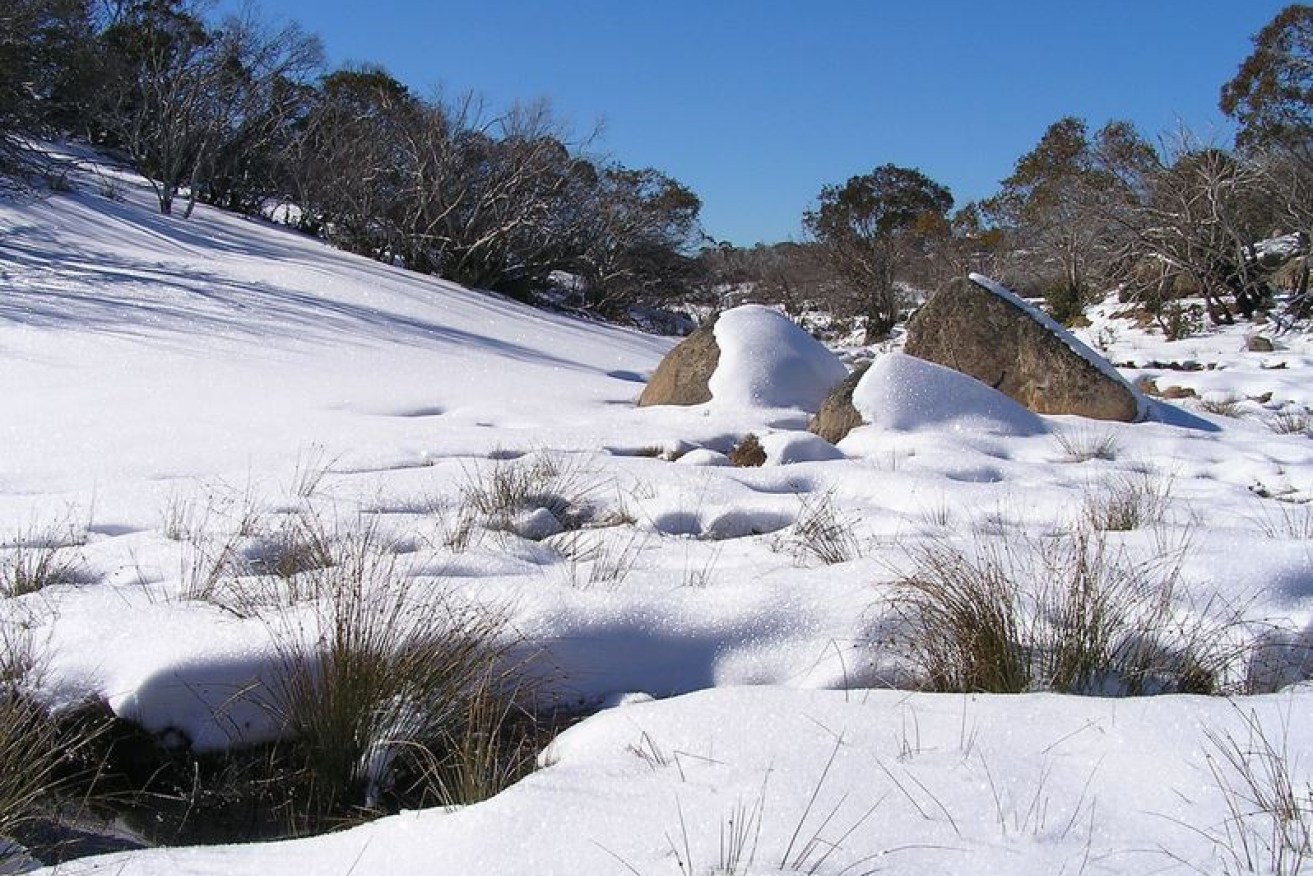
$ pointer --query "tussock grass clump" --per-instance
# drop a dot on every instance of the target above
(596, 560)
(208, 562)
(36, 749)
(31, 748)
(302, 543)
(1282, 520)
(822, 533)
(33, 561)
(1067, 614)
(313, 465)
(393, 693)
(501, 493)
(1222, 406)
(1292, 422)
(1083, 445)
(1131, 501)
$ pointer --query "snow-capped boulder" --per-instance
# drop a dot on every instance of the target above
(903, 393)
(981, 329)
(752, 356)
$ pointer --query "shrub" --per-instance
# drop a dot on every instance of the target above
(1064, 303)
(748, 453)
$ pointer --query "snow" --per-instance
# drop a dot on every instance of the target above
(767, 361)
(905, 394)
(178, 391)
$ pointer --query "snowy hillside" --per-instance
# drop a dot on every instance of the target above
(177, 393)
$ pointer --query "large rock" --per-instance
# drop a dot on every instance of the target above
(683, 375)
(979, 328)
(837, 416)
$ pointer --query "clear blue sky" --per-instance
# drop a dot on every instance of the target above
(755, 104)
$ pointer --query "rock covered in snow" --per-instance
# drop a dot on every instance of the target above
(981, 329)
(752, 357)
(903, 393)
(767, 361)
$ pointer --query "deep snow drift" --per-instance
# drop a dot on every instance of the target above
(176, 390)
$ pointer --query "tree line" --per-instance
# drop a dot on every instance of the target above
(1086, 211)
(242, 114)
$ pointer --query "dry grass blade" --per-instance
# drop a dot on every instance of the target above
(822, 534)
(1270, 823)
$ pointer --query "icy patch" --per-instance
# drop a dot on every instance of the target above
(906, 394)
(768, 362)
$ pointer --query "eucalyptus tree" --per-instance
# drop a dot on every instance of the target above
(870, 227)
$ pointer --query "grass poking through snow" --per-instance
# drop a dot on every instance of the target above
(391, 688)
(1070, 614)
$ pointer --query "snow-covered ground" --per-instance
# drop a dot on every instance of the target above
(176, 390)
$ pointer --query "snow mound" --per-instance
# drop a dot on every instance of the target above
(903, 393)
(787, 448)
(768, 362)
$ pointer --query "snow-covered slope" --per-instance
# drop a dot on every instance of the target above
(175, 388)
